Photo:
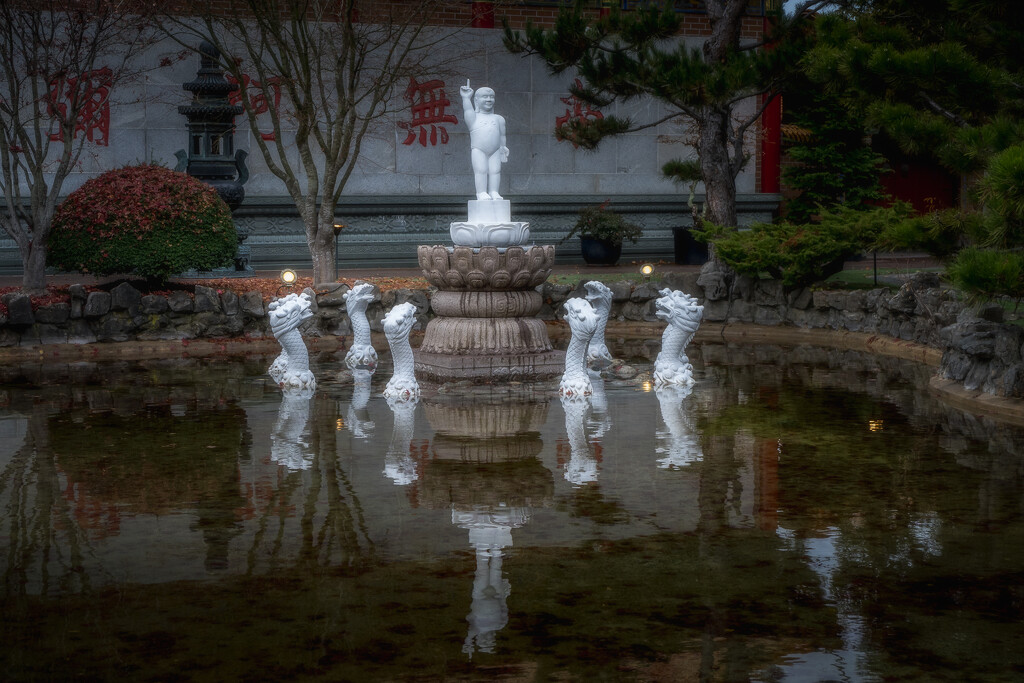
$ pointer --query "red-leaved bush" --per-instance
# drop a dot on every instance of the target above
(144, 220)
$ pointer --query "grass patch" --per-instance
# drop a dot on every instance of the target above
(576, 278)
(865, 278)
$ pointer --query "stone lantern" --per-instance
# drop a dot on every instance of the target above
(211, 155)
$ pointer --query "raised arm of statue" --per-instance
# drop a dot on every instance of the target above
(468, 112)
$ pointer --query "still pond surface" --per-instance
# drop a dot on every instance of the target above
(800, 515)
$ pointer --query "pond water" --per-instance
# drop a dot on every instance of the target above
(801, 515)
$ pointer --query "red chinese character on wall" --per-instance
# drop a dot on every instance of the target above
(428, 103)
(94, 115)
(577, 111)
(257, 97)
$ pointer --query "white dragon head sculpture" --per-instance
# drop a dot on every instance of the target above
(583, 322)
(358, 298)
(683, 315)
(291, 368)
(679, 309)
(398, 323)
(288, 312)
(600, 297)
(361, 354)
(581, 317)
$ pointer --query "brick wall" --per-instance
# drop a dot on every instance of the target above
(517, 13)
(460, 13)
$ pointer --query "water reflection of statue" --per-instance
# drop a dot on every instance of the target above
(680, 446)
(289, 442)
(599, 421)
(399, 465)
(582, 467)
(487, 139)
(490, 530)
(359, 422)
(484, 467)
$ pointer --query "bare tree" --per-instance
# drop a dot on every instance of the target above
(59, 62)
(337, 64)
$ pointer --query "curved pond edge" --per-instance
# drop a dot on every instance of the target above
(1009, 410)
(1005, 409)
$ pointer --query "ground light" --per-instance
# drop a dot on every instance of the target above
(288, 278)
(647, 270)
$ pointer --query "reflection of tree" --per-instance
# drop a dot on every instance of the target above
(720, 490)
(47, 548)
(332, 528)
(819, 433)
(589, 502)
(888, 521)
(726, 611)
(186, 459)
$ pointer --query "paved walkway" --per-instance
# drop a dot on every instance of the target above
(901, 262)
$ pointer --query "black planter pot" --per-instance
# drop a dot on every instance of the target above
(598, 252)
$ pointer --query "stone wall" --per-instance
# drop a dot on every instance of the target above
(979, 351)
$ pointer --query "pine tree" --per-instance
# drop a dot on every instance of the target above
(944, 78)
(627, 56)
(836, 166)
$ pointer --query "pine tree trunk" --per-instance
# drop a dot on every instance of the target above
(715, 124)
(716, 167)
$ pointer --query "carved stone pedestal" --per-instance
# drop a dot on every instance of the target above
(486, 326)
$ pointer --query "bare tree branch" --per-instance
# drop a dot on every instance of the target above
(49, 49)
(337, 74)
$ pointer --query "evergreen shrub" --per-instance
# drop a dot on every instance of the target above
(988, 273)
(940, 233)
(836, 166)
(801, 254)
(142, 220)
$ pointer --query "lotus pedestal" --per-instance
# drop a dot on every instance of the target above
(485, 325)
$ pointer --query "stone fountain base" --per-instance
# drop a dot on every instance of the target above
(500, 367)
(486, 326)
